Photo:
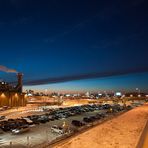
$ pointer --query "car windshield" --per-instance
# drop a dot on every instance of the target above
(60, 128)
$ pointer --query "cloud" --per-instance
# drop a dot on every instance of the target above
(86, 76)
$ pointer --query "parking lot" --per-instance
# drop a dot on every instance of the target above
(41, 133)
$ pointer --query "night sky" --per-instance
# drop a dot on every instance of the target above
(57, 38)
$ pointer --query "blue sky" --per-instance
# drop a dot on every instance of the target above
(54, 38)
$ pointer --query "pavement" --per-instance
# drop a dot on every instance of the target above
(38, 134)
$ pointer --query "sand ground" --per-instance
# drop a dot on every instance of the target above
(120, 132)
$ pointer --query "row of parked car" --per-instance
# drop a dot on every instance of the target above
(109, 109)
(24, 123)
(63, 113)
(14, 125)
(89, 119)
(61, 130)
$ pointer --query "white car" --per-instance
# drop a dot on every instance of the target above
(20, 130)
(57, 129)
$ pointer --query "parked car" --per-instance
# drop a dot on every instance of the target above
(57, 129)
(77, 123)
(20, 130)
(43, 119)
(128, 107)
(106, 106)
(101, 115)
(110, 110)
(87, 119)
(28, 121)
(2, 117)
(51, 118)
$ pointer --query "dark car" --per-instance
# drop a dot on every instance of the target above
(128, 107)
(56, 117)
(106, 106)
(77, 123)
(101, 115)
(35, 121)
(43, 119)
(87, 119)
(2, 117)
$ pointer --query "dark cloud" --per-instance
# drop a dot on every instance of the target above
(85, 76)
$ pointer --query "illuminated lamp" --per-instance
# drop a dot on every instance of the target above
(16, 95)
(2, 95)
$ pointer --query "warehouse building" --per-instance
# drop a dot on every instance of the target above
(12, 96)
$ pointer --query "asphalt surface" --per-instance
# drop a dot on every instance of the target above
(39, 133)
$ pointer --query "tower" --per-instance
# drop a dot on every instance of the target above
(20, 83)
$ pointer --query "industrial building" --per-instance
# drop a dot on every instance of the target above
(12, 96)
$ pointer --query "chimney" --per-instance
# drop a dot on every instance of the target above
(20, 84)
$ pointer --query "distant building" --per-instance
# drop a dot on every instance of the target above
(87, 94)
(118, 94)
(12, 96)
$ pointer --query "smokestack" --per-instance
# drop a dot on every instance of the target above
(20, 84)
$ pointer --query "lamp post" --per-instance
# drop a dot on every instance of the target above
(28, 144)
(138, 90)
(45, 101)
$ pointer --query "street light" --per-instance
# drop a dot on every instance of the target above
(46, 91)
(45, 101)
(131, 95)
(138, 90)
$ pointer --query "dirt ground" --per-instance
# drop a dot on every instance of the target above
(121, 132)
